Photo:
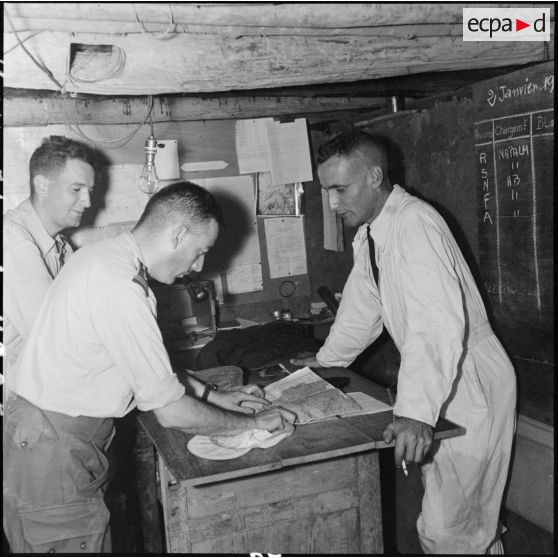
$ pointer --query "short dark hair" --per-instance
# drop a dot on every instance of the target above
(348, 143)
(181, 202)
(55, 151)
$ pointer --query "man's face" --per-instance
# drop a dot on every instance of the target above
(189, 253)
(350, 194)
(67, 195)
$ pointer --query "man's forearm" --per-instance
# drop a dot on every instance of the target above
(195, 417)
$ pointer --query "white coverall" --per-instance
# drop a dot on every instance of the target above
(452, 365)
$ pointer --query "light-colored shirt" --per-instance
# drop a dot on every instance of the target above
(32, 258)
(96, 349)
(427, 299)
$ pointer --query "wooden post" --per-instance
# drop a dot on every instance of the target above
(146, 483)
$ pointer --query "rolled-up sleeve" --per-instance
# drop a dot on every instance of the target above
(432, 335)
(128, 330)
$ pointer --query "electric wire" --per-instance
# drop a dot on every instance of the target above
(23, 41)
(82, 62)
(41, 66)
(109, 144)
(159, 36)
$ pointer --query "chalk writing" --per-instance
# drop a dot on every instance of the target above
(508, 161)
(505, 92)
(513, 151)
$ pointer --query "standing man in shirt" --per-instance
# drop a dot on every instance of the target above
(62, 175)
(96, 352)
(410, 276)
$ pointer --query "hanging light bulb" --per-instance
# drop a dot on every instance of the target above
(148, 182)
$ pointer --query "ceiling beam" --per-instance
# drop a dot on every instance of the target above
(44, 108)
(201, 63)
(324, 15)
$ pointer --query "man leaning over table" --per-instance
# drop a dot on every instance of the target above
(410, 276)
(96, 352)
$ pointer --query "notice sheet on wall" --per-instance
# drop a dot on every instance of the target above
(123, 200)
(251, 145)
(286, 250)
(237, 250)
(289, 151)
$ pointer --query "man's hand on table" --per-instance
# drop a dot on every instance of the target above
(247, 399)
(306, 359)
(275, 420)
(413, 439)
(250, 400)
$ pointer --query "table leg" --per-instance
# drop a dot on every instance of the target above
(369, 488)
(146, 483)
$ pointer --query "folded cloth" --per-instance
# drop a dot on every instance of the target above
(230, 447)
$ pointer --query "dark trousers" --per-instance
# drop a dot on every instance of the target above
(55, 472)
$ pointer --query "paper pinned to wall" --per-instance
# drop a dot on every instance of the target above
(166, 160)
(201, 166)
(333, 227)
(235, 195)
(289, 151)
(123, 200)
(286, 249)
(252, 148)
(245, 279)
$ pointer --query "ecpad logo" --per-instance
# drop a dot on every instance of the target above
(506, 24)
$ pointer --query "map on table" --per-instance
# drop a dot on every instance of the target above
(309, 396)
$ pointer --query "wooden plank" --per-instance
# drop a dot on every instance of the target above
(191, 470)
(309, 443)
(144, 456)
(271, 513)
(226, 497)
(240, 63)
(259, 15)
(370, 512)
(332, 534)
(322, 440)
(175, 511)
(44, 109)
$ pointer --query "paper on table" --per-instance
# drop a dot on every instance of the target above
(251, 145)
(289, 151)
(309, 396)
(286, 250)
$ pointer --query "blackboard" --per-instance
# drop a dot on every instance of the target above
(514, 147)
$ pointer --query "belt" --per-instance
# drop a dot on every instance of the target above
(479, 333)
(97, 429)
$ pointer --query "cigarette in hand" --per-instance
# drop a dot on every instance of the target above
(404, 467)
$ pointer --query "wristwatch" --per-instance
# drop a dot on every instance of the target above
(207, 390)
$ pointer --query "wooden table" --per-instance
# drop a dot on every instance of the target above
(316, 492)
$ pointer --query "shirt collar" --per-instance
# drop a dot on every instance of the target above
(35, 226)
(379, 228)
(129, 239)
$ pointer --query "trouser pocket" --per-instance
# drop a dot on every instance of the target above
(69, 528)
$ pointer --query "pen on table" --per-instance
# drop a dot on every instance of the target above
(284, 368)
(403, 464)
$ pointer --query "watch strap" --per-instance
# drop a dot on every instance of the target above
(207, 390)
